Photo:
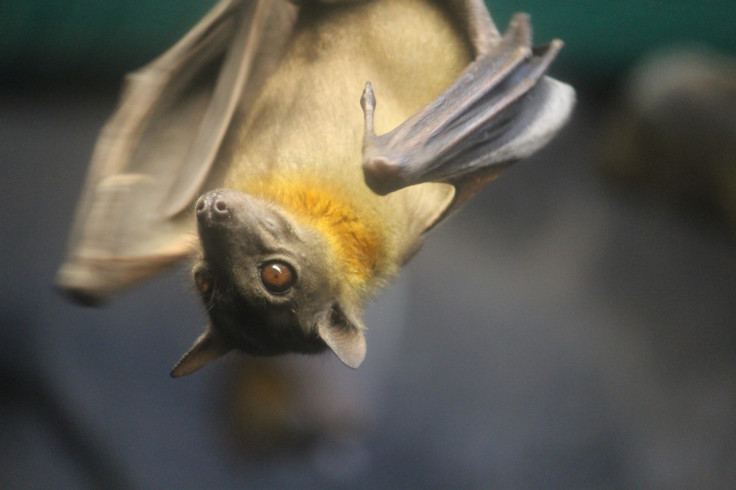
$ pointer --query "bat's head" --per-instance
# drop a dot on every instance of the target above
(269, 286)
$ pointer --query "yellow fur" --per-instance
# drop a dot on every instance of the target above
(355, 240)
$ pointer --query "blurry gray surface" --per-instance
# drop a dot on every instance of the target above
(559, 333)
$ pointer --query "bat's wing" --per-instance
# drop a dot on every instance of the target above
(501, 109)
(159, 149)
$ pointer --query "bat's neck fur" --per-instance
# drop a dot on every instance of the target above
(355, 238)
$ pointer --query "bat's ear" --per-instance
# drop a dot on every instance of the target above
(342, 331)
(208, 347)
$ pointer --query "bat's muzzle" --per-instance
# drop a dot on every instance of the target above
(213, 207)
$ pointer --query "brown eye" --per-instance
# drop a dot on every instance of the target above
(278, 277)
(203, 281)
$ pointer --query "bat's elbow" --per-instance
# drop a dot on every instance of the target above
(382, 175)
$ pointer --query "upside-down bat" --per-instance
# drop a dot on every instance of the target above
(247, 135)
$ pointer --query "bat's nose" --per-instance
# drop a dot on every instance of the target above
(212, 206)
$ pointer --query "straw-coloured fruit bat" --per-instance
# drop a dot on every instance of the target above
(245, 147)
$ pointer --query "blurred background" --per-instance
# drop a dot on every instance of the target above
(574, 326)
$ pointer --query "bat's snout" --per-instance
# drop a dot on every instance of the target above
(212, 207)
(228, 219)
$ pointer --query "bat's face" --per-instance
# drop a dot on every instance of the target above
(267, 282)
(263, 277)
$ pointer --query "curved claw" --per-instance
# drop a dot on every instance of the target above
(368, 104)
(381, 174)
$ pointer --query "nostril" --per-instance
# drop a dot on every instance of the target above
(212, 206)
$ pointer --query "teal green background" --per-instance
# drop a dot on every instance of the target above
(83, 38)
(602, 38)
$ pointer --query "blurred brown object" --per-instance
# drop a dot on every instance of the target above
(674, 129)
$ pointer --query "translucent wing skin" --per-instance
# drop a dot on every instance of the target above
(501, 109)
(158, 151)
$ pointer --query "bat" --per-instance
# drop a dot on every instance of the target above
(243, 147)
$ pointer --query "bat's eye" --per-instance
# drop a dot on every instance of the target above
(278, 277)
(203, 281)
